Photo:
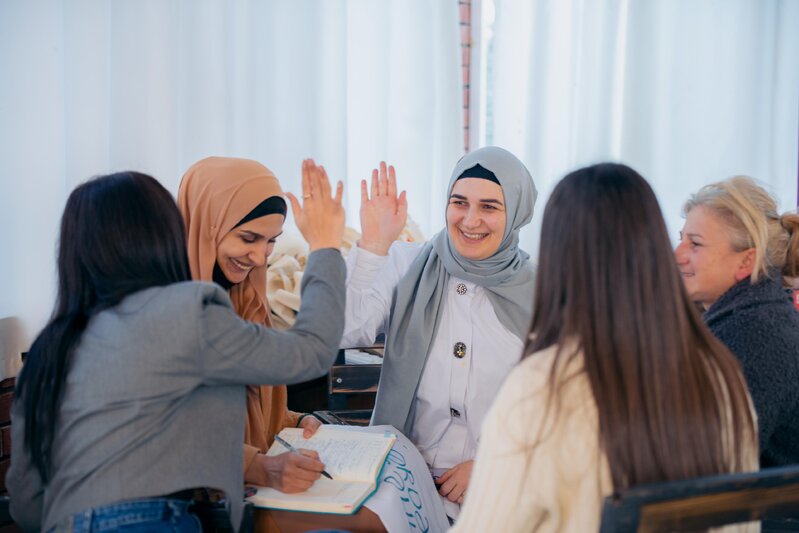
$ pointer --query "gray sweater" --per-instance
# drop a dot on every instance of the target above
(155, 398)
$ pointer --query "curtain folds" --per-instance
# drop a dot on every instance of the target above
(685, 92)
(91, 87)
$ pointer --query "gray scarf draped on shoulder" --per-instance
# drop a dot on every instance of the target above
(507, 276)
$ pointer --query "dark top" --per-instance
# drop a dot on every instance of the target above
(760, 325)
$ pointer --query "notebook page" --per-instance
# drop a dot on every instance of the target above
(347, 455)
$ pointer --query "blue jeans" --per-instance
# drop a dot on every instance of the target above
(156, 515)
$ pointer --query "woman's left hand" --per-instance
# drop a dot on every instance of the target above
(309, 425)
(454, 482)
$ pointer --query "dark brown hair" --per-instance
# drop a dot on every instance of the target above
(671, 399)
(120, 234)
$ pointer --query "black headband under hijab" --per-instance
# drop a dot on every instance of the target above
(479, 171)
(271, 206)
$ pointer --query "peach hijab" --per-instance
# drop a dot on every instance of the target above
(215, 194)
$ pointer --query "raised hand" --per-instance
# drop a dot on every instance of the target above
(320, 218)
(383, 213)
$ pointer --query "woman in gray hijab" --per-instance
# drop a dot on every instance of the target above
(455, 310)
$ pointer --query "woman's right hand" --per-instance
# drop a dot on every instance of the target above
(291, 472)
(383, 215)
(320, 218)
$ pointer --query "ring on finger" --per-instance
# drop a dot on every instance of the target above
(306, 196)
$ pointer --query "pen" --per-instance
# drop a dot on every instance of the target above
(292, 449)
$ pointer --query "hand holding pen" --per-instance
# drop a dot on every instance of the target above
(292, 449)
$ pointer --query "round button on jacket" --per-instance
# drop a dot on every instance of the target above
(460, 288)
(459, 350)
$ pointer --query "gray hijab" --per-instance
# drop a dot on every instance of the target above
(507, 276)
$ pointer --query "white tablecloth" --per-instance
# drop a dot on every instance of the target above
(406, 499)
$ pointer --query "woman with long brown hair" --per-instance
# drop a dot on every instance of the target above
(620, 384)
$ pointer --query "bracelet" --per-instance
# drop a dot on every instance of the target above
(299, 420)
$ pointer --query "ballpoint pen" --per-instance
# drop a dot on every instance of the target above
(292, 449)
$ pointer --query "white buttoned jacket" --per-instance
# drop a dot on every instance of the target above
(454, 393)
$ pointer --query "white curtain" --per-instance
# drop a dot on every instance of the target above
(90, 87)
(687, 92)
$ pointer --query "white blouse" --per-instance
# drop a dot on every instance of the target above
(454, 393)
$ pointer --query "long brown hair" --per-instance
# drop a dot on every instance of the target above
(671, 399)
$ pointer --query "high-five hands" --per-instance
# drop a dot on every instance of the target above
(320, 218)
(383, 213)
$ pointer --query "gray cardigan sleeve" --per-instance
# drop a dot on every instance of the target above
(237, 351)
(22, 480)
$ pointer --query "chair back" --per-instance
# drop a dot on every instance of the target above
(698, 504)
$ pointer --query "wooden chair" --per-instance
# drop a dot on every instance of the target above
(6, 397)
(5, 515)
(351, 417)
(771, 495)
(347, 381)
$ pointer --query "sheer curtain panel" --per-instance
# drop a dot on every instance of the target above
(90, 87)
(687, 92)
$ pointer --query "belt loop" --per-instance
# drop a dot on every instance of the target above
(174, 510)
(89, 518)
(169, 511)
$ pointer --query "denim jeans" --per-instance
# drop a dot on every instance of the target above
(156, 515)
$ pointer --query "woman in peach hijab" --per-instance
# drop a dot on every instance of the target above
(234, 210)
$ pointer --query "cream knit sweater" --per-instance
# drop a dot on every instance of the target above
(558, 488)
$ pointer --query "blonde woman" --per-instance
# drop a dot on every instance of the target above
(737, 257)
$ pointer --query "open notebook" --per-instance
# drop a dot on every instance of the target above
(352, 458)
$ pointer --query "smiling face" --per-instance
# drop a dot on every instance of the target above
(248, 246)
(476, 217)
(708, 263)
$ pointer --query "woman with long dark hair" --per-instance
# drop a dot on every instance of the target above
(105, 418)
(620, 384)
